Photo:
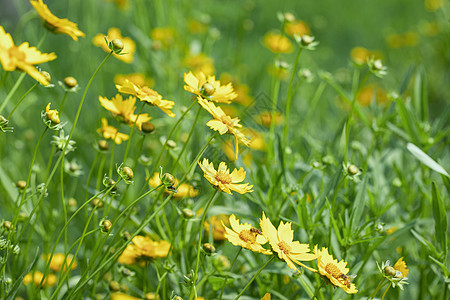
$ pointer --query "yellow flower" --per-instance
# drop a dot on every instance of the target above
(265, 118)
(296, 27)
(56, 263)
(246, 236)
(217, 224)
(122, 4)
(200, 63)
(23, 57)
(165, 35)
(277, 43)
(138, 79)
(121, 296)
(242, 90)
(36, 278)
(434, 5)
(266, 297)
(400, 265)
(209, 88)
(55, 24)
(124, 109)
(223, 180)
(52, 114)
(183, 190)
(148, 95)
(224, 124)
(110, 132)
(142, 248)
(281, 241)
(335, 271)
(367, 94)
(114, 33)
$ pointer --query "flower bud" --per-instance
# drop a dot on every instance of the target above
(106, 225)
(52, 114)
(208, 248)
(7, 225)
(171, 144)
(3, 121)
(208, 89)
(112, 182)
(352, 170)
(378, 65)
(126, 236)
(72, 202)
(117, 45)
(306, 40)
(388, 270)
(128, 172)
(70, 82)
(114, 286)
(148, 127)
(188, 213)
(96, 202)
(103, 145)
(21, 184)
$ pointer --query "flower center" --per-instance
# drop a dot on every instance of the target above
(223, 177)
(208, 89)
(333, 270)
(16, 53)
(284, 247)
(226, 120)
(247, 236)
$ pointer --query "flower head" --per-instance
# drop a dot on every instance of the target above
(397, 274)
(110, 132)
(183, 190)
(200, 63)
(209, 88)
(22, 57)
(223, 180)
(224, 123)
(148, 95)
(124, 110)
(246, 236)
(36, 278)
(142, 248)
(55, 24)
(52, 114)
(56, 264)
(335, 271)
(217, 224)
(281, 241)
(129, 48)
(277, 43)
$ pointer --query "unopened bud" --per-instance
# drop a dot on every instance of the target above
(188, 213)
(106, 225)
(208, 89)
(114, 286)
(7, 225)
(70, 82)
(208, 248)
(148, 127)
(21, 184)
(103, 145)
(352, 170)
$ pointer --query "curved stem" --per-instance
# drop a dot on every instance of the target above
(12, 91)
(385, 292)
(254, 277)
(377, 289)
(21, 99)
(228, 275)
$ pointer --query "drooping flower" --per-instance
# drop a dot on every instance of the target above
(147, 95)
(56, 264)
(55, 24)
(23, 57)
(246, 236)
(277, 43)
(143, 248)
(335, 271)
(281, 241)
(110, 132)
(224, 123)
(36, 278)
(182, 190)
(209, 88)
(124, 110)
(223, 180)
(52, 114)
(114, 33)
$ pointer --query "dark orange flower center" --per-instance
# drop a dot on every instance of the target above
(284, 247)
(247, 236)
(223, 177)
(333, 270)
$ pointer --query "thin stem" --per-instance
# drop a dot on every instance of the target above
(380, 285)
(228, 275)
(254, 277)
(21, 99)
(111, 160)
(317, 290)
(12, 91)
(275, 92)
(131, 134)
(385, 292)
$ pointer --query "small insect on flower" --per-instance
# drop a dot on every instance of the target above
(346, 279)
(256, 231)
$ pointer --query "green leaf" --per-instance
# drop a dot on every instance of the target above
(15, 287)
(358, 206)
(421, 94)
(440, 218)
(424, 242)
(443, 267)
(408, 119)
(425, 159)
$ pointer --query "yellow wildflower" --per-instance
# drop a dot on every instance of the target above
(124, 109)
(122, 296)
(183, 190)
(148, 95)
(281, 241)
(217, 224)
(138, 79)
(265, 118)
(209, 88)
(296, 27)
(55, 24)
(266, 297)
(246, 236)
(142, 248)
(23, 57)
(224, 124)
(277, 43)
(36, 278)
(52, 114)
(223, 180)
(335, 271)
(242, 90)
(114, 33)
(400, 265)
(200, 63)
(110, 132)
(165, 35)
(56, 264)
(368, 92)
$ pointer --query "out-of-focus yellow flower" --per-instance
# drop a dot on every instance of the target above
(200, 63)
(55, 24)
(266, 297)
(335, 271)
(110, 132)
(430, 28)
(147, 95)
(281, 241)
(223, 180)
(257, 141)
(242, 90)
(57, 261)
(114, 33)
(183, 190)
(124, 110)
(277, 43)
(122, 4)
(23, 57)
(361, 55)
(265, 118)
(401, 266)
(209, 88)
(52, 114)
(368, 92)
(197, 27)
(246, 236)
(217, 223)
(224, 124)
(138, 79)
(408, 39)
(36, 278)
(296, 27)
(143, 248)
(165, 35)
(122, 296)
(434, 5)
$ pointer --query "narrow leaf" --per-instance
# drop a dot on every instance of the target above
(425, 159)
(440, 218)
(358, 206)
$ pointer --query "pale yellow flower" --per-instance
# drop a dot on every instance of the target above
(36, 278)
(277, 43)
(209, 88)
(148, 95)
(281, 241)
(124, 110)
(142, 248)
(296, 27)
(55, 24)
(335, 271)
(223, 180)
(23, 57)
(246, 236)
(110, 132)
(114, 33)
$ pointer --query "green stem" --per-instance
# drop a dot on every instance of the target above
(385, 292)
(111, 160)
(254, 277)
(317, 290)
(228, 275)
(275, 92)
(12, 91)
(380, 285)
(131, 134)
(21, 99)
